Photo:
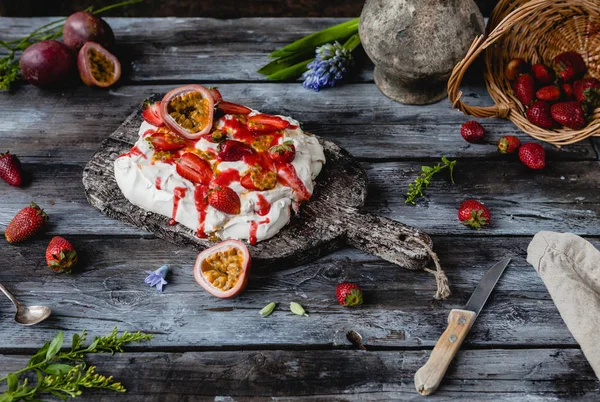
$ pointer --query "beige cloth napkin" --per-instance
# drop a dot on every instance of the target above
(570, 269)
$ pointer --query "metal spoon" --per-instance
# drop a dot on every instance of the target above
(27, 315)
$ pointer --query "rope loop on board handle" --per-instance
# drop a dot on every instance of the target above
(443, 287)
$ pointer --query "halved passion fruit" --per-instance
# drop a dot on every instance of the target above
(223, 270)
(97, 66)
(188, 111)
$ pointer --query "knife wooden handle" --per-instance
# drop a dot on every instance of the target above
(428, 377)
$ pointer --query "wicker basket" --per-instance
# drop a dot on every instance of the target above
(537, 31)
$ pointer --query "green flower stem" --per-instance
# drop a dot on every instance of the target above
(285, 62)
(352, 42)
(290, 73)
(336, 32)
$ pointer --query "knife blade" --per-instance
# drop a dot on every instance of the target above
(429, 377)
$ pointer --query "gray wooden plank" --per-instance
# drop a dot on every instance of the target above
(68, 126)
(562, 197)
(488, 375)
(399, 311)
(195, 49)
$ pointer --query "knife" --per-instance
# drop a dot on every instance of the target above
(428, 377)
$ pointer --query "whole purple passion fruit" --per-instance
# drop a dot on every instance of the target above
(82, 27)
(97, 66)
(47, 63)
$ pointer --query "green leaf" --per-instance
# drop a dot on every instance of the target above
(13, 382)
(352, 42)
(426, 169)
(6, 398)
(40, 355)
(75, 341)
(57, 369)
(285, 62)
(55, 346)
(290, 73)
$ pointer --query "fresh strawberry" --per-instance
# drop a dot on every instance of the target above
(192, 167)
(232, 108)
(61, 255)
(532, 155)
(474, 214)
(569, 66)
(587, 90)
(567, 89)
(569, 114)
(286, 174)
(514, 68)
(508, 144)
(525, 89)
(25, 224)
(349, 294)
(165, 142)
(266, 123)
(10, 169)
(259, 179)
(539, 114)
(151, 113)
(284, 153)
(232, 151)
(542, 74)
(225, 200)
(216, 95)
(472, 131)
(549, 93)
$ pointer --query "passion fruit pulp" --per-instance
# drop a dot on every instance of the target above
(222, 270)
(188, 111)
(97, 66)
(47, 63)
(83, 26)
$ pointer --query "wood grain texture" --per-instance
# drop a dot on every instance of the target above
(341, 375)
(68, 126)
(399, 311)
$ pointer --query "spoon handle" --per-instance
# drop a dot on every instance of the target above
(9, 295)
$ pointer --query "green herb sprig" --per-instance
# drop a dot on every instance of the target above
(60, 379)
(417, 188)
(9, 65)
(291, 60)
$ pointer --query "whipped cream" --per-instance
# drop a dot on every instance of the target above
(155, 185)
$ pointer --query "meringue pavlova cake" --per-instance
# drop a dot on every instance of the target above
(219, 168)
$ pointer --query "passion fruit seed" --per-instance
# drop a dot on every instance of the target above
(162, 156)
(262, 142)
(218, 136)
(223, 268)
(102, 68)
(261, 180)
(190, 111)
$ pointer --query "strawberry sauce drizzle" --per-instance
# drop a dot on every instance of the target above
(226, 177)
(158, 182)
(135, 151)
(238, 130)
(263, 205)
(200, 200)
(178, 194)
(254, 229)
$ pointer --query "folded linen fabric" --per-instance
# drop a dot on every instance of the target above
(570, 269)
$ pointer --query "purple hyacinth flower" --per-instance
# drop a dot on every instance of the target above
(157, 278)
(331, 62)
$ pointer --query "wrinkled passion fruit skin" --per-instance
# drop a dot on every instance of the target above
(47, 63)
(82, 27)
(97, 66)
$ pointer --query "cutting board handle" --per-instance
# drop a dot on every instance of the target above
(391, 240)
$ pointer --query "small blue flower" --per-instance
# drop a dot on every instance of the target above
(331, 62)
(157, 278)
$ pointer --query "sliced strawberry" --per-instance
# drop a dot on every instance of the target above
(190, 166)
(232, 151)
(288, 177)
(266, 123)
(216, 95)
(166, 142)
(232, 108)
(151, 113)
(247, 183)
(225, 200)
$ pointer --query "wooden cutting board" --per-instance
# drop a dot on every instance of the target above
(330, 220)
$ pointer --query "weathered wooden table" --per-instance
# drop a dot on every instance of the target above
(519, 349)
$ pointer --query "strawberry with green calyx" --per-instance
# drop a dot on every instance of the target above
(569, 66)
(532, 155)
(61, 255)
(508, 144)
(474, 214)
(284, 153)
(151, 113)
(25, 224)
(10, 169)
(349, 294)
(569, 114)
(587, 90)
